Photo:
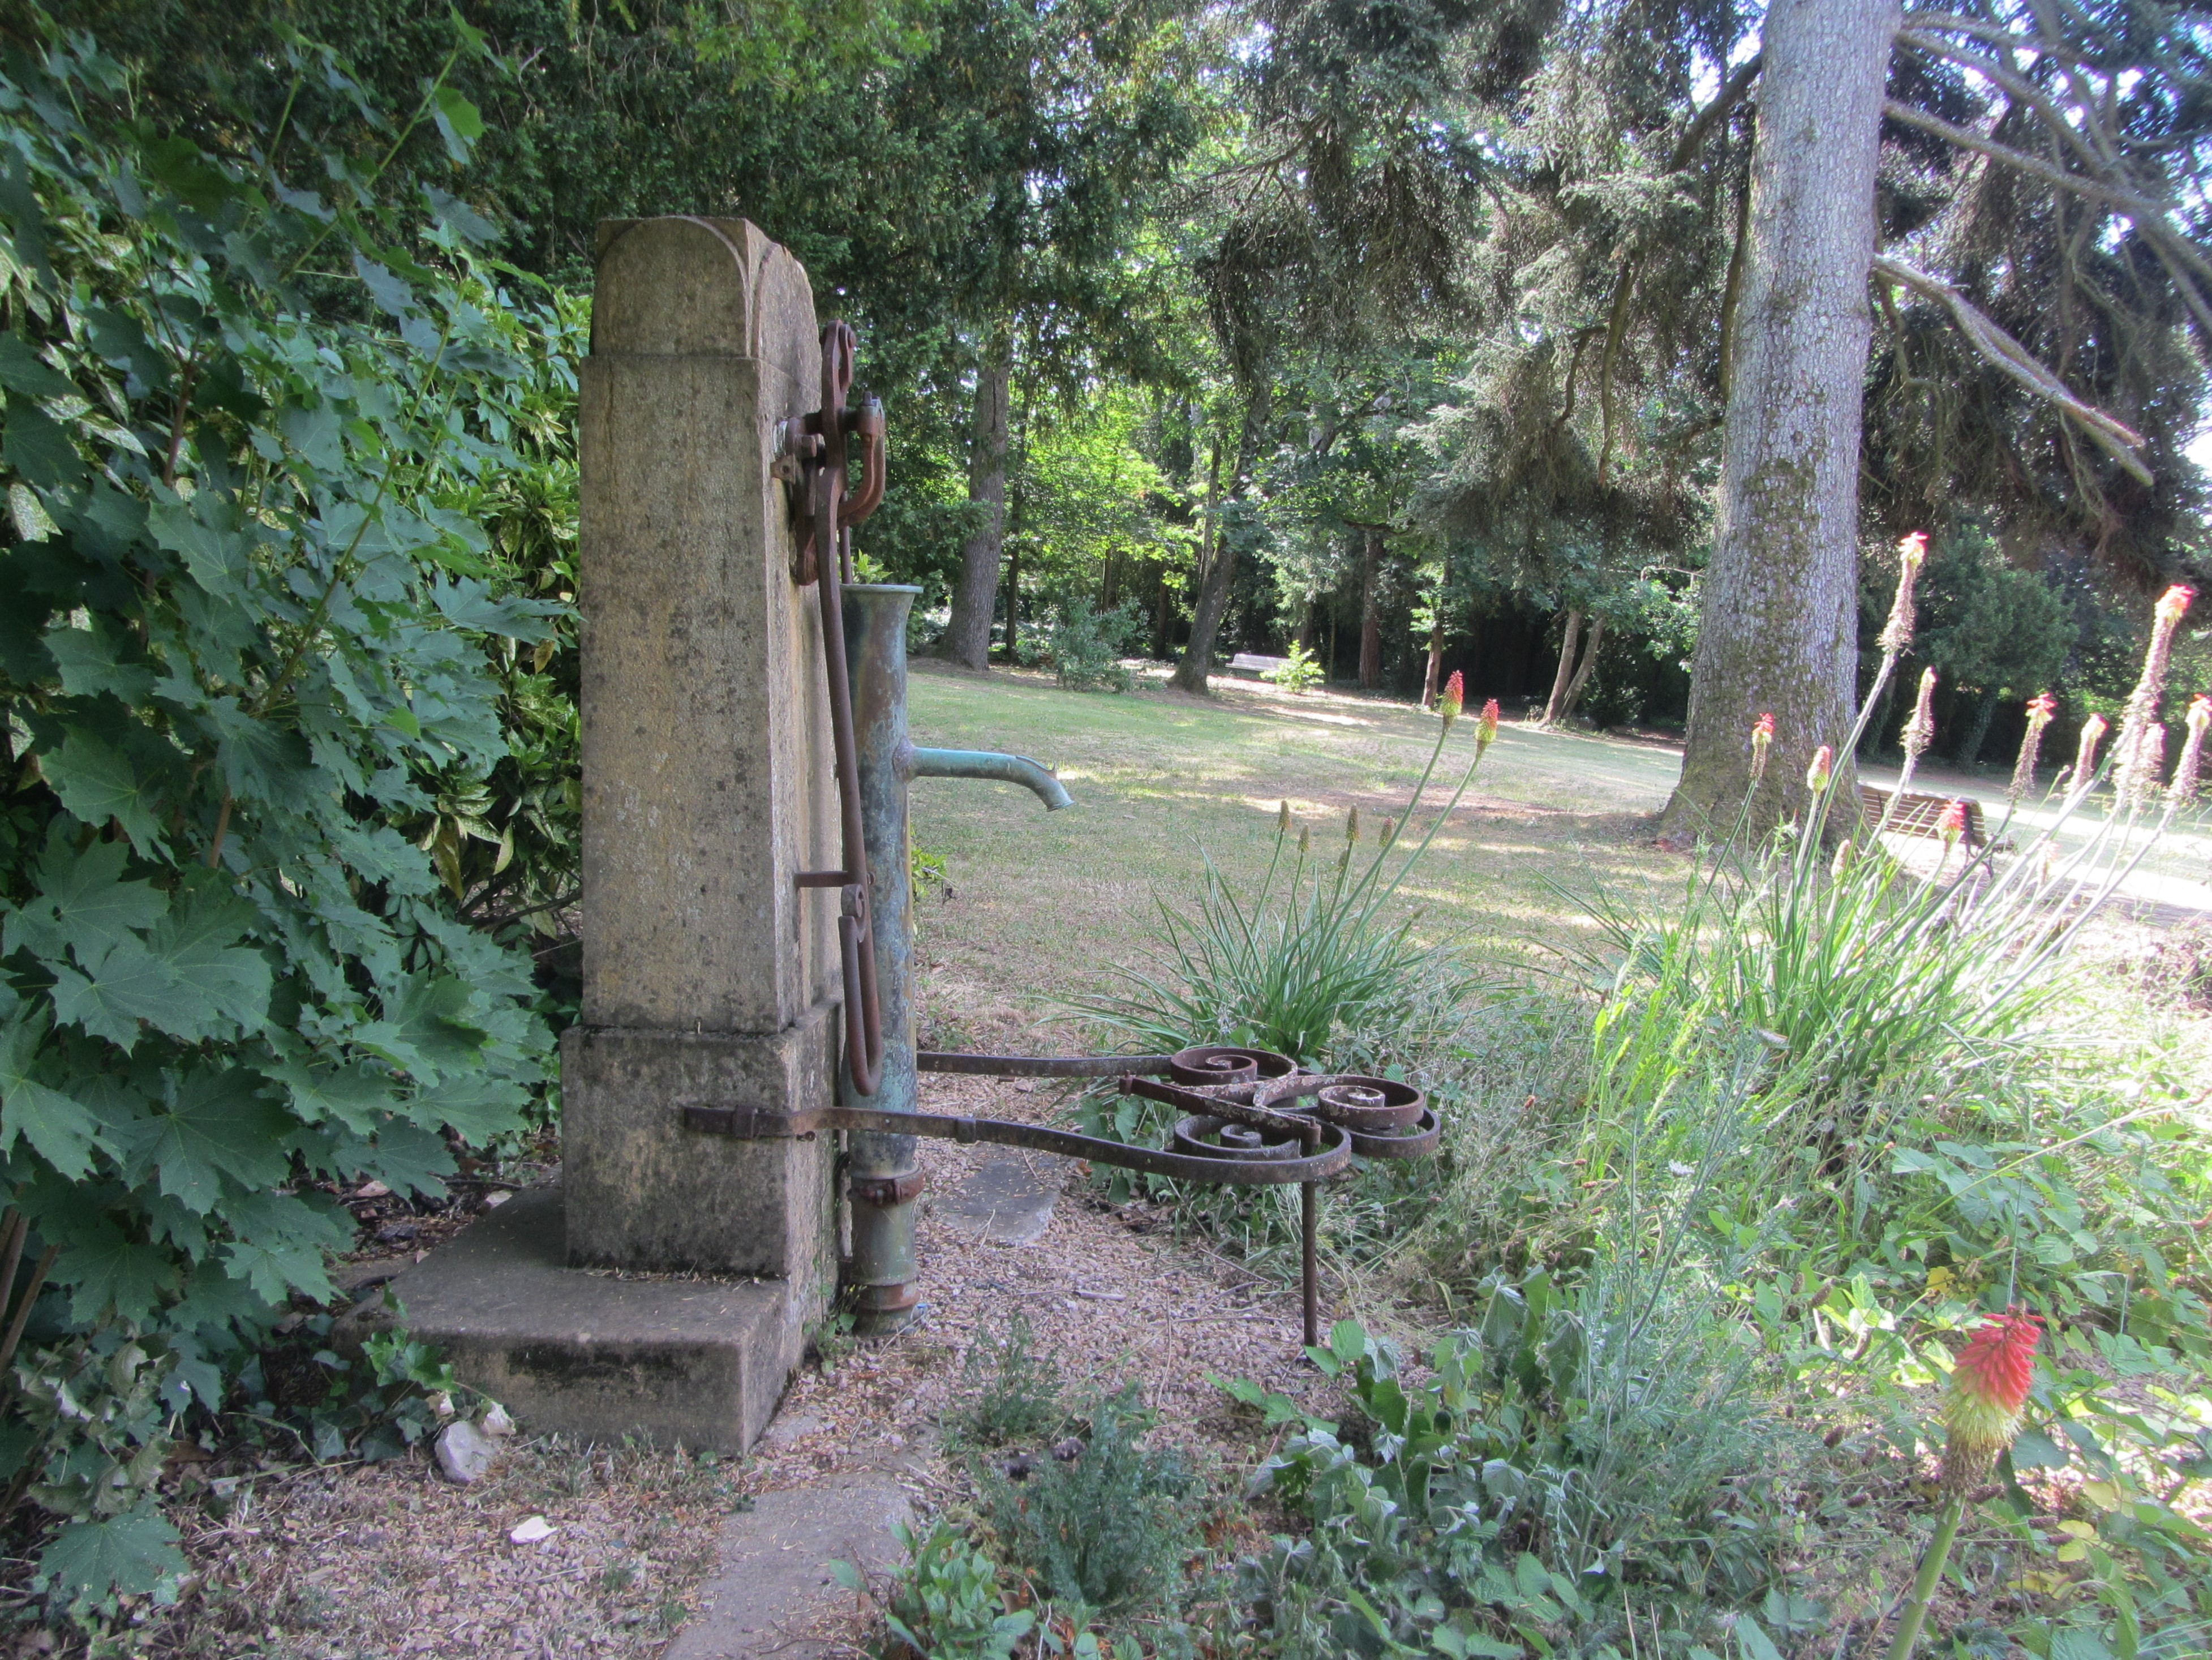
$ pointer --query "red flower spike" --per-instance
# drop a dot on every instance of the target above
(1823, 761)
(1762, 739)
(1453, 698)
(1953, 822)
(1989, 1389)
(1485, 726)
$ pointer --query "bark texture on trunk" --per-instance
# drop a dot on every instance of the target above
(1221, 561)
(1013, 604)
(1978, 731)
(1779, 630)
(968, 636)
(1583, 673)
(1436, 659)
(1555, 705)
(1370, 615)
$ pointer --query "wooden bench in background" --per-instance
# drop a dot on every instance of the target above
(1251, 664)
(1919, 815)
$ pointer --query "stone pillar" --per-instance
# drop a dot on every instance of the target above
(709, 976)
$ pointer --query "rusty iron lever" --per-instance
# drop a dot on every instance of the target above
(1253, 1120)
(758, 1123)
(826, 552)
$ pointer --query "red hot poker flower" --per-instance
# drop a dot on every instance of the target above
(1897, 633)
(1953, 822)
(1485, 726)
(1823, 761)
(2085, 758)
(1453, 698)
(1989, 1389)
(1762, 739)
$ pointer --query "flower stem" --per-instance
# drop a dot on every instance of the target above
(1931, 1571)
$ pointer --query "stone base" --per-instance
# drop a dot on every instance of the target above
(698, 1362)
(646, 1192)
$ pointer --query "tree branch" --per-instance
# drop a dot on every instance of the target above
(1724, 100)
(1966, 138)
(2115, 437)
(1996, 34)
(2018, 88)
(2174, 251)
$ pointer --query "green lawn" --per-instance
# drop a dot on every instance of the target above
(1042, 902)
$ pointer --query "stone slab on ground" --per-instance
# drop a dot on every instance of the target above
(695, 1362)
(774, 1587)
(1004, 1202)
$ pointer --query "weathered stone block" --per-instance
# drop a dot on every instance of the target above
(645, 1192)
(570, 1352)
(707, 779)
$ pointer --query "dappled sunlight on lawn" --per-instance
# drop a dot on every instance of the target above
(1043, 906)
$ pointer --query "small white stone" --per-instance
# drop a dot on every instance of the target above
(534, 1530)
(465, 1453)
(494, 1420)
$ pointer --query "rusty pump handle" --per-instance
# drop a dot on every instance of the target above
(833, 514)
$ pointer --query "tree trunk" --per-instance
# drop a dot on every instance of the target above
(1436, 658)
(1306, 624)
(1555, 706)
(1221, 561)
(1013, 603)
(1370, 618)
(1978, 731)
(968, 636)
(1160, 616)
(1779, 633)
(1582, 675)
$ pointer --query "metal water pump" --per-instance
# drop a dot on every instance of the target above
(1252, 1117)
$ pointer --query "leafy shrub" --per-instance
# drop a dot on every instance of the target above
(1106, 1529)
(1572, 1440)
(1087, 645)
(944, 1602)
(1298, 672)
(257, 673)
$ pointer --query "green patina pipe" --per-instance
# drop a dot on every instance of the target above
(881, 1275)
(989, 764)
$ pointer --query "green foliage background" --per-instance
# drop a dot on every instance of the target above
(285, 715)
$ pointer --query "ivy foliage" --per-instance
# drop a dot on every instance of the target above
(253, 633)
